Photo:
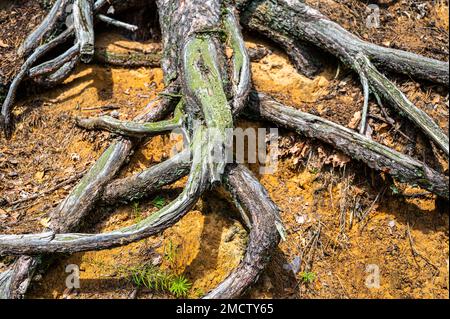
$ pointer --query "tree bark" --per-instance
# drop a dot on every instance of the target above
(296, 20)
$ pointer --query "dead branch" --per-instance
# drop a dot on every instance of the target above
(83, 21)
(133, 129)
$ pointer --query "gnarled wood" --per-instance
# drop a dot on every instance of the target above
(149, 181)
(81, 205)
(196, 67)
(53, 65)
(58, 11)
(375, 155)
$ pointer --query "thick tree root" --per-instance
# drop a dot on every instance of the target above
(5, 116)
(195, 65)
(147, 182)
(57, 12)
(264, 220)
(296, 20)
(34, 41)
(387, 90)
(56, 63)
(375, 155)
(240, 79)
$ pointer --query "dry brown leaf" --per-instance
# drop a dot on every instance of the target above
(3, 44)
(354, 122)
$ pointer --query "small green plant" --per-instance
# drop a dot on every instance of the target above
(308, 277)
(156, 279)
(137, 212)
(314, 170)
(180, 286)
(159, 202)
(394, 190)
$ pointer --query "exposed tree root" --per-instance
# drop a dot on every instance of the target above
(264, 223)
(57, 12)
(79, 202)
(296, 20)
(83, 21)
(147, 182)
(375, 155)
(50, 242)
(387, 90)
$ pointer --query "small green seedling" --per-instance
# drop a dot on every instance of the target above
(308, 277)
(159, 202)
(180, 286)
(394, 190)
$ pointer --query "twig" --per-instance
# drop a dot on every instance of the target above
(117, 23)
(415, 252)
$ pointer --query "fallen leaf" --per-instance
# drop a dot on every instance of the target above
(3, 44)
(338, 160)
(354, 122)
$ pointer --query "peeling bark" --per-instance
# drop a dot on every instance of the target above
(40, 33)
(49, 242)
(214, 87)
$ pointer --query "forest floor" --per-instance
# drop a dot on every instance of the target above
(344, 220)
